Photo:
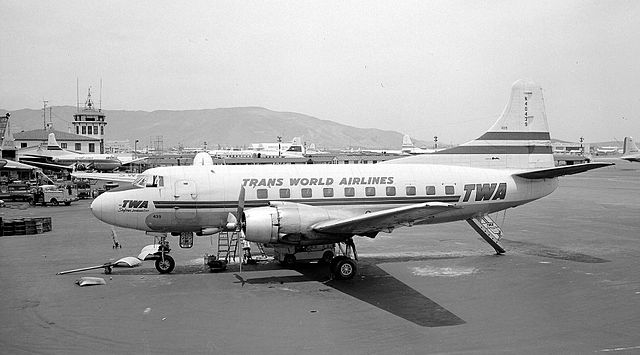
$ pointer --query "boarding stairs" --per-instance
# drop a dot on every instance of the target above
(489, 230)
(227, 245)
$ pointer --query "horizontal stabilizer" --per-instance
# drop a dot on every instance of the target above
(549, 173)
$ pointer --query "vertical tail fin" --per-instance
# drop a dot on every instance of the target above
(407, 144)
(52, 143)
(629, 146)
(519, 139)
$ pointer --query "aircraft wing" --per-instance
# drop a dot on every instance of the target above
(383, 220)
(52, 166)
(116, 177)
(127, 162)
(548, 173)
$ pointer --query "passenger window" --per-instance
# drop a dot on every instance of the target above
(306, 192)
(327, 192)
(285, 193)
(449, 190)
(391, 191)
(431, 190)
(411, 190)
(349, 191)
(370, 191)
(262, 193)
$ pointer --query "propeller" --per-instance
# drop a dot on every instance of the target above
(238, 223)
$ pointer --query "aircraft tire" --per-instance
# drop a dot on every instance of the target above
(165, 266)
(327, 257)
(345, 269)
(289, 260)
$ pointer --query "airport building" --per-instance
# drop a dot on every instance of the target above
(69, 141)
(90, 122)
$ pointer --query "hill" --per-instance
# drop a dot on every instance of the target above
(222, 126)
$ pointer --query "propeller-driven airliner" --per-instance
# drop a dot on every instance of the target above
(302, 205)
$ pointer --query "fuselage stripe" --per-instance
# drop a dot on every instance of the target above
(312, 202)
(515, 136)
(497, 149)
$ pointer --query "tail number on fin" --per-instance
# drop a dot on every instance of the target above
(485, 192)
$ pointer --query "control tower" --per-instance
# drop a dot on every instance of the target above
(90, 122)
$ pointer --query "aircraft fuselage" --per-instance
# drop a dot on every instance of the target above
(191, 198)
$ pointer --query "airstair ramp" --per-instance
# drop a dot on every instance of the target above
(489, 230)
(227, 245)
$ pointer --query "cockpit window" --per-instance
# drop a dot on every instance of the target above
(149, 181)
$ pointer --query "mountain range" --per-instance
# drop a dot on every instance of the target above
(221, 127)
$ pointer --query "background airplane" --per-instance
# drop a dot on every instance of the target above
(297, 206)
(295, 149)
(54, 157)
(630, 150)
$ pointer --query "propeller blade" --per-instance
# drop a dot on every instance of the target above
(240, 205)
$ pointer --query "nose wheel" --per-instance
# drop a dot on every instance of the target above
(165, 263)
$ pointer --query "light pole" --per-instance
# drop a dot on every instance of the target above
(135, 154)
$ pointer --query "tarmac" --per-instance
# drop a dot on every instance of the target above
(569, 283)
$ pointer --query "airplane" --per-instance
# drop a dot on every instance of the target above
(630, 151)
(54, 157)
(607, 150)
(295, 149)
(303, 205)
(408, 148)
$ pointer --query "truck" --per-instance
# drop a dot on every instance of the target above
(288, 255)
(53, 194)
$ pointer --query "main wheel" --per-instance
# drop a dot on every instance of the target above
(344, 268)
(327, 256)
(165, 264)
(289, 260)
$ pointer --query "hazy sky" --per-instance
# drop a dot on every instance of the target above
(424, 68)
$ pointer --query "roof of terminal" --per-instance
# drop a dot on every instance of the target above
(43, 135)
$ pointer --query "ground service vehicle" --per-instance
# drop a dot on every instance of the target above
(53, 194)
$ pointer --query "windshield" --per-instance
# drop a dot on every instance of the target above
(149, 181)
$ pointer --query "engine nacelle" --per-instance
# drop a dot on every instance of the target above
(286, 222)
(261, 225)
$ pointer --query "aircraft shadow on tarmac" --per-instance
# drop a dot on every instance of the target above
(378, 288)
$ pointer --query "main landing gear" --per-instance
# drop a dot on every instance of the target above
(343, 267)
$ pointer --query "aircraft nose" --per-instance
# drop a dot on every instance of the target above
(97, 207)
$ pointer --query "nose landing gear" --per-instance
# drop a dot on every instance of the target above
(164, 262)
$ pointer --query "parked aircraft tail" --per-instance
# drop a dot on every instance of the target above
(407, 143)
(52, 143)
(519, 139)
(629, 146)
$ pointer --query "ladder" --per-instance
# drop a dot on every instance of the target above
(227, 245)
(488, 230)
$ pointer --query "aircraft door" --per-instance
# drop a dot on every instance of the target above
(185, 197)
